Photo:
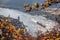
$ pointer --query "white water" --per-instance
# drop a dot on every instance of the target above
(30, 20)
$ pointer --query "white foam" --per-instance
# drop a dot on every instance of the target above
(33, 27)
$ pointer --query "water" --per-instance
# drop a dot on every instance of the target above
(18, 3)
(30, 20)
